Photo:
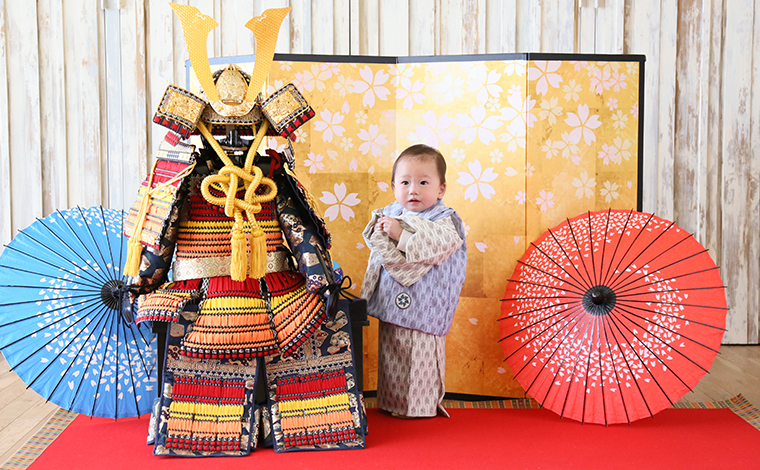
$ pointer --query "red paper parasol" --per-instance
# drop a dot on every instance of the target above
(612, 316)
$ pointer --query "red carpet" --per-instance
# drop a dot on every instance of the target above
(471, 438)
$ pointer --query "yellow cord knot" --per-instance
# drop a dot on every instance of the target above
(227, 181)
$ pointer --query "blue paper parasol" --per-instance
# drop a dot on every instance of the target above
(62, 329)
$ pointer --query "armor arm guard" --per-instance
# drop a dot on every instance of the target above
(308, 241)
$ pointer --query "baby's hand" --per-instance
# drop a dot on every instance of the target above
(390, 226)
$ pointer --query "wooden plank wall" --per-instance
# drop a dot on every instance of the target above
(79, 82)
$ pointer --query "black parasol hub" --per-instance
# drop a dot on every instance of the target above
(599, 300)
(114, 296)
(109, 294)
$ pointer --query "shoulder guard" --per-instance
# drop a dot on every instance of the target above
(179, 111)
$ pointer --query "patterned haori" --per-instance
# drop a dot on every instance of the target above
(418, 289)
(414, 294)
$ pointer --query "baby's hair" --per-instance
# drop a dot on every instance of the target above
(422, 152)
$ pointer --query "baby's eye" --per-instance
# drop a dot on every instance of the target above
(405, 182)
(423, 182)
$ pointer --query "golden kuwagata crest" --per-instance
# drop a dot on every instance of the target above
(229, 96)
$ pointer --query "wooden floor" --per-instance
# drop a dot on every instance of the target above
(22, 412)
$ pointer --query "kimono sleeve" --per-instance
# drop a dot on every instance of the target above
(432, 242)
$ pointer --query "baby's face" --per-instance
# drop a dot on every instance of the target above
(417, 185)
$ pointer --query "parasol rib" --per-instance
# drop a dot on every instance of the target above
(591, 241)
(620, 279)
(628, 365)
(535, 298)
(614, 370)
(538, 335)
(24, 302)
(519, 314)
(95, 242)
(128, 357)
(518, 281)
(564, 281)
(610, 270)
(95, 273)
(579, 251)
(139, 351)
(586, 386)
(83, 304)
(560, 362)
(669, 315)
(627, 298)
(677, 276)
(71, 364)
(572, 375)
(53, 289)
(146, 369)
(102, 365)
(604, 245)
(567, 332)
(117, 381)
(89, 359)
(576, 307)
(633, 242)
(622, 288)
(58, 268)
(656, 356)
(549, 258)
(570, 260)
(638, 356)
(43, 347)
(671, 331)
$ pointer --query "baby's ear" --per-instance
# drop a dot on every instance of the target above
(442, 191)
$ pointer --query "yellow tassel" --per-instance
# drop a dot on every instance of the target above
(134, 256)
(258, 253)
(134, 247)
(239, 262)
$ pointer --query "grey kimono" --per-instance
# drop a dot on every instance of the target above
(418, 289)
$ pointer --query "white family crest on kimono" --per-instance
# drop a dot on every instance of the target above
(418, 289)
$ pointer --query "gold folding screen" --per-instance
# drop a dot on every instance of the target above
(530, 139)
